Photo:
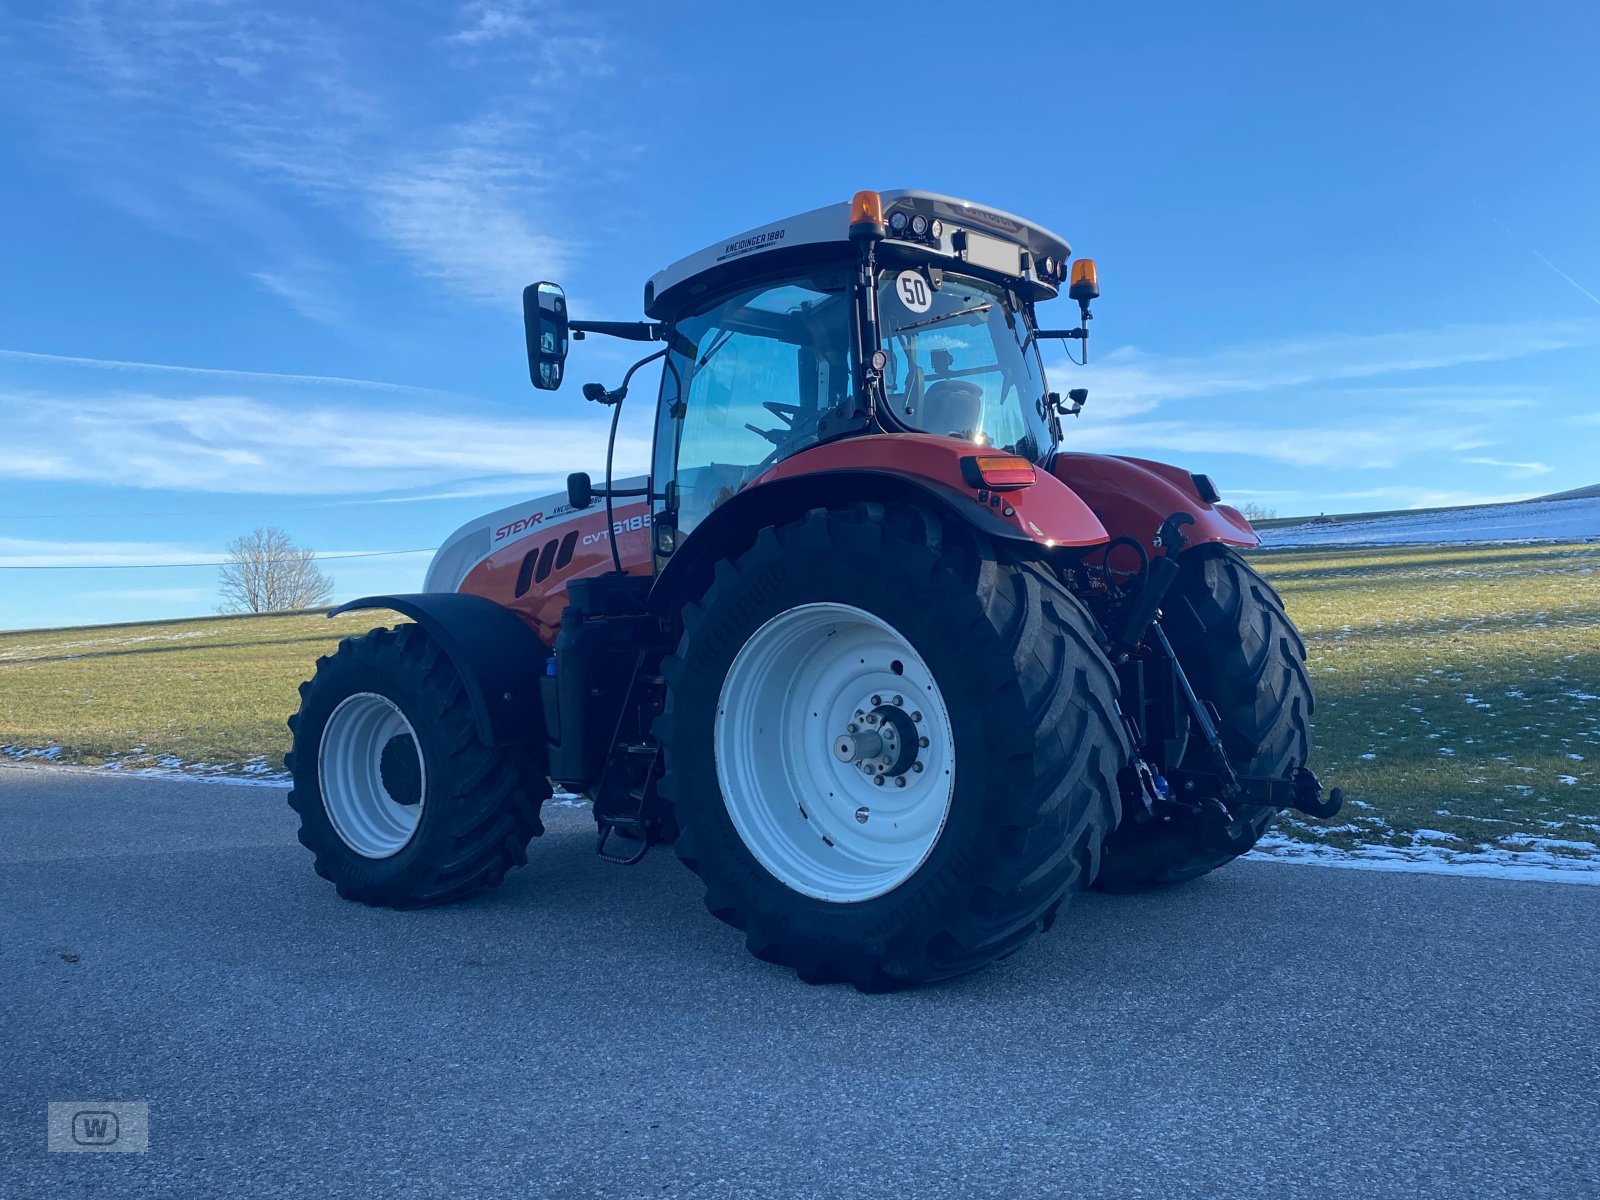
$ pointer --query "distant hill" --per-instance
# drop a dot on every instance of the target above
(1584, 493)
(1574, 519)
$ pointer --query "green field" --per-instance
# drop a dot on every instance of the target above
(1458, 692)
(1458, 686)
(213, 692)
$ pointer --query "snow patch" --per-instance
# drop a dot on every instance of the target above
(1535, 864)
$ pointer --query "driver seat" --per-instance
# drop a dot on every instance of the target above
(953, 407)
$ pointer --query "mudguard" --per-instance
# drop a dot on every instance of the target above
(1044, 512)
(877, 467)
(1133, 496)
(498, 655)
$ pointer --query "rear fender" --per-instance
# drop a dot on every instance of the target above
(878, 467)
(1133, 496)
(497, 654)
(1045, 512)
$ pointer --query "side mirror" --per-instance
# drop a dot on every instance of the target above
(580, 489)
(544, 321)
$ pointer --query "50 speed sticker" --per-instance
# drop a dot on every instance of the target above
(913, 291)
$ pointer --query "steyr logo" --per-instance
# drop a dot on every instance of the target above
(518, 526)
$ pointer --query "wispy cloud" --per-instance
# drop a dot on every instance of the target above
(1128, 381)
(41, 552)
(1519, 468)
(549, 39)
(305, 285)
(254, 377)
(461, 216)
(233, 443)
(1366, 444)
(283, 119)
(488, 21)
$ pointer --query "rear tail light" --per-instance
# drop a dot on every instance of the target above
(998, 472)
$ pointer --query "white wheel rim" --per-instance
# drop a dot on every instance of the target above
(822, 825)
(363, 813)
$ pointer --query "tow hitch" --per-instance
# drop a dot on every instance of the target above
(1302, 791)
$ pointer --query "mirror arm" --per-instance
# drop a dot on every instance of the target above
(632, 331)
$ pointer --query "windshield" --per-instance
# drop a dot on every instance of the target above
(961, 363)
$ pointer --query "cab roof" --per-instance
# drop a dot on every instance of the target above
(801, 236)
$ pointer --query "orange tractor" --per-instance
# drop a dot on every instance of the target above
(894, 672)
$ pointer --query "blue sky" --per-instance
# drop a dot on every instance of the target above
(262, 263)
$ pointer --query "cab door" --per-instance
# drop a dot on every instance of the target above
(751, 379)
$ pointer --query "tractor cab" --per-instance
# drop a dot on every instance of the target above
(900, 312)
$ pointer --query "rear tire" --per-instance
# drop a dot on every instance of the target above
(1006, 664)
(1242, 653)
(399, 799)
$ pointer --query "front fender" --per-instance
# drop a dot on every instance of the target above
(498, 656)
(1133, 496)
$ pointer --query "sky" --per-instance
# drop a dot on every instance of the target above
(262, 264)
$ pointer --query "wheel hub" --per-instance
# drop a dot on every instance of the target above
(883, 742)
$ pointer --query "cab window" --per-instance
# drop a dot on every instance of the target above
(747, 383)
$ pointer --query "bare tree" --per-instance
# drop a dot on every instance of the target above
(266, 572)
(1257, 512)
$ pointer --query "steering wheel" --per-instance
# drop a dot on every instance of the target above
(793, 417)
(787, 413)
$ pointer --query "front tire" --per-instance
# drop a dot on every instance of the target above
(399, 799)
(1243, 654)
(1007, 706)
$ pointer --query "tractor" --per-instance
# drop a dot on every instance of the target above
(894, 671)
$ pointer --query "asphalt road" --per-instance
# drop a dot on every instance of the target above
(1271, 1031)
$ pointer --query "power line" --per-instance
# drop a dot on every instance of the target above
(184, 566)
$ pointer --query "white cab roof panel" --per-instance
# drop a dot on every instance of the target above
(831, 225)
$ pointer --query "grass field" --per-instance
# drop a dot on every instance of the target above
(1459, 693)
(212, 692)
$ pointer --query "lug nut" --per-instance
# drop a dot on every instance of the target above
(899, 781)
(850, 728)
(916, 716)
(872, 718)
(898, 701)
(876, 700)
(917, 767)
(878, 779)
(923, 742)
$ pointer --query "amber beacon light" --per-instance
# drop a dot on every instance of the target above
(866, 215)
(1085, 281)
